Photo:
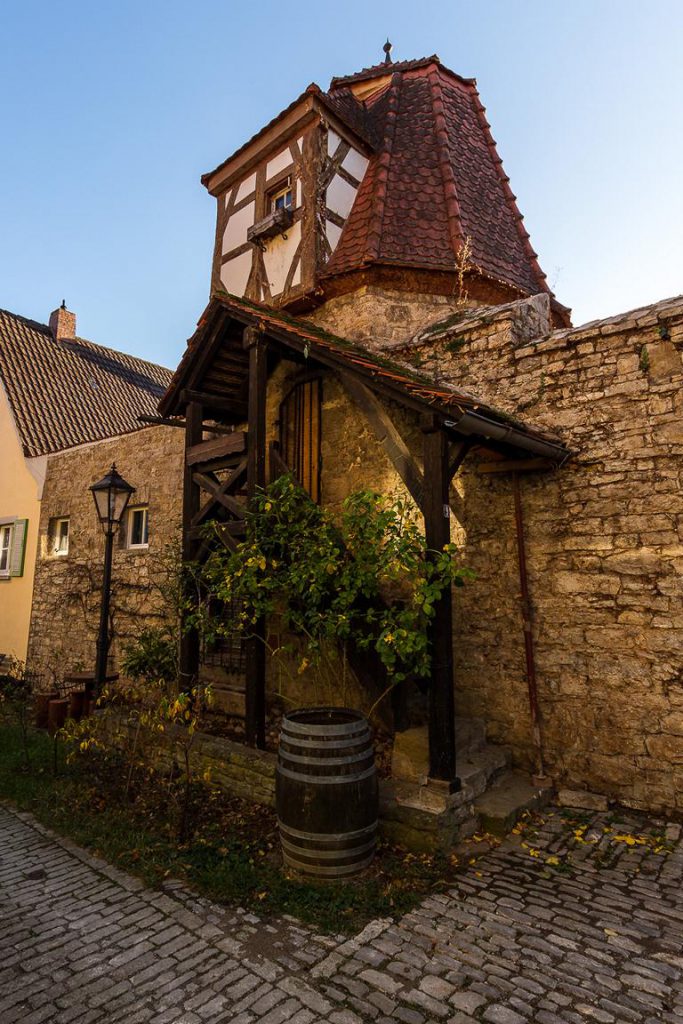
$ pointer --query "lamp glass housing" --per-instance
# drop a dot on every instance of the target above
(111, 494)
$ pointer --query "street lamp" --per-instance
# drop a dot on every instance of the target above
(111, 495)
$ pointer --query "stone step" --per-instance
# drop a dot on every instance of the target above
(510, 795)
(478, 768)
(410, 760)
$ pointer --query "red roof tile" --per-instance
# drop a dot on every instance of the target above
(434, 181)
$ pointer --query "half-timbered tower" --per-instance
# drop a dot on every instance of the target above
(355, 219)
(389, 179)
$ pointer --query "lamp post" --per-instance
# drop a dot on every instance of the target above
(111, 495)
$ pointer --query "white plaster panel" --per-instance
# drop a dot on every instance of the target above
(333, 233)
(278, 163)
(236, 229)
(333, 141)
(298, 192)
(340, 196)
(235, 273)
(355, 163)
(278, 257)
(246, 187)
(296, 276)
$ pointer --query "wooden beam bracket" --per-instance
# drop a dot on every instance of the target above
(388, 436)
(223, 491)
(208, 482)
(458, 455)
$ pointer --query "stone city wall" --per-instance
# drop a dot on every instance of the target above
(604, 544)
(603, 534)
(67, 591)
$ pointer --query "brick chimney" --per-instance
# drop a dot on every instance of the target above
(63, 323)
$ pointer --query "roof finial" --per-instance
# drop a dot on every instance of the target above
(63, 304)
(387, 50)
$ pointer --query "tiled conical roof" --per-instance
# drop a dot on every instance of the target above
(434, 181)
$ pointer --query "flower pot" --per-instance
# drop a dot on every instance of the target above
(78, 704)
(56, 715)
(326, 792)
(41, 705)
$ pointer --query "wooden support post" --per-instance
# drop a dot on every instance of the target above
(437, 532)
(189, 639)
(256, 478)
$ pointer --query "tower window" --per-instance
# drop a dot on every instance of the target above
(281, 197)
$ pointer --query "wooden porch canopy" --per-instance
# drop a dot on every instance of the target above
(221, 383)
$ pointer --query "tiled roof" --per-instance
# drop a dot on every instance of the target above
(379, 70)
(356, 119)
(398, 377)
(434, 181)
(63, 393)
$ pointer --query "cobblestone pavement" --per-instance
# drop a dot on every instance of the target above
(556, 926)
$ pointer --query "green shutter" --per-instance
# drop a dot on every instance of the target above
(18, 547)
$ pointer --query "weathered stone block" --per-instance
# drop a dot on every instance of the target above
(581, 798)
(410, 755)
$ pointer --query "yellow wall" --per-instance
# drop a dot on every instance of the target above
(19, 497)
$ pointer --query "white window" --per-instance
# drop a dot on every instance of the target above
(60, 537)
(138, 527)
(280, 198)
(12, 547)
(5, 547)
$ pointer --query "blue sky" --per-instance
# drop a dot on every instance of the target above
(110, 113)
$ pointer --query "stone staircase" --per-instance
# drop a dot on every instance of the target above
(492, 795)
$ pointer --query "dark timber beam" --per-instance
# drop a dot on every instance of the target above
(222, 403)
(165, 421)
(211, 484)
(256, 346)
(438, 533)
(189, 639)
(228, 484)
(457, 457)
(205, 451)
(387, 435)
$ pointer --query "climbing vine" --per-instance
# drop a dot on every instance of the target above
(365, 578)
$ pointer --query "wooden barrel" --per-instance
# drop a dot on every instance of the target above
(326, 792)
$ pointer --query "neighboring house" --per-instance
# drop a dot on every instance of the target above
(67, 407)
(379, 319)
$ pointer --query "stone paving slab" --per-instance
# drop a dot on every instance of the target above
(527, 934)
